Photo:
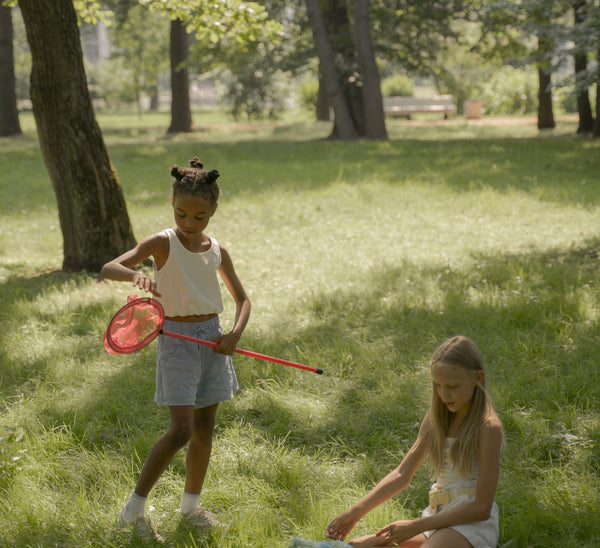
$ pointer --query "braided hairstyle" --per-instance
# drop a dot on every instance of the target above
(196, 180)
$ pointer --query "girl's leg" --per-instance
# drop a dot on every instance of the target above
(199, 449)
(371, 541)
(179, 433)
(447, 538)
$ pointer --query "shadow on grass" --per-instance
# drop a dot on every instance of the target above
(534, 316)
(561, 171)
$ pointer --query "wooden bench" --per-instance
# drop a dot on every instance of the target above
(406, 106)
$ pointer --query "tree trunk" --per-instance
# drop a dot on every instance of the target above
(154, 99)
(181, 113)
(584, 108)
(346, 130)
(545, 111)
(373, 102)
(323, 114)
(9, 114)
(597, 119)
(93, 215)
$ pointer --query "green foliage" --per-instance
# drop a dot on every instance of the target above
(309, 91)
(399, 84)
(111, 85)
(359, 258)
(92, 12)
(509, 90)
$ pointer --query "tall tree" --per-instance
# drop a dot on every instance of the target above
(343, 119)
(545, 109)
(141, 39)
(93, 215)
(181, 113)
(373, 102)
(9, 114)
(221, 31)
(584, 108)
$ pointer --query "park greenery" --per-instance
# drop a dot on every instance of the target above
(360, 257)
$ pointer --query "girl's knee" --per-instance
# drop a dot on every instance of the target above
(446, 538)
(204, 421)
(179, 434)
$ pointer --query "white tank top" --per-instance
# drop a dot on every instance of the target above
(188, 281)
(449, 475)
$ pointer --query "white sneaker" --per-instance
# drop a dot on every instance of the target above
(201, 518)
(141, 526)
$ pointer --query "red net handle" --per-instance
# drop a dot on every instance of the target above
(141, 320)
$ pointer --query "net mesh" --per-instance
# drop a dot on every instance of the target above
(134, 326)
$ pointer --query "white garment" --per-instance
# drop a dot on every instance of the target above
(481, 534)
(188, 281)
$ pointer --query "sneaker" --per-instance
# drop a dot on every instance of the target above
(141, 526)
(202, 519)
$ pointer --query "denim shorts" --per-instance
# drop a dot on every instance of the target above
(189, 373)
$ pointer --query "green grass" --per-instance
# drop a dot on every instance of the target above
(360, 258)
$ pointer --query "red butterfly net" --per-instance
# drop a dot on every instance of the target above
(134, 326)
(141, 320)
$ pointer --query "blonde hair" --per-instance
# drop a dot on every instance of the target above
(462, 353)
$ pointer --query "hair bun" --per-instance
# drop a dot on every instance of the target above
(177, 173)
(212, 176)
(196, 163)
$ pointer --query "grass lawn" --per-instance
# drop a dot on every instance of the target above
(360, 258)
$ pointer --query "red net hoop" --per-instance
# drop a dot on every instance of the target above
(141, 320)
(134, 326)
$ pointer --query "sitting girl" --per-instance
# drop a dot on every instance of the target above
(462, 436)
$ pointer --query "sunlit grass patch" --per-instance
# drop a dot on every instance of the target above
(360, 258)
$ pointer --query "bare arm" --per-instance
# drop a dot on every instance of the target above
(390, 485)
(120, 269)
(490, 442)
(228, 342)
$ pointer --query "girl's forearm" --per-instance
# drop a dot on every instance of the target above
(117, 272)
(242, 315)
(389, 486)
(467, 513)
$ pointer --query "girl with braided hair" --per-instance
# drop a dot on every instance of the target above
(191, 379)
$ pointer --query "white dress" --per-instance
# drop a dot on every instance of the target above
(481, 534)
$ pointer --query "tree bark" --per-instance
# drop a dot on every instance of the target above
(584, 108)
(9, 114)
(545, 110)
(181, 113)
(597, 119)
(346, 130)
(373, 101)
(323, 114)
(93, 215)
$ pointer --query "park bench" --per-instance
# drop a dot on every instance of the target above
(406, 106)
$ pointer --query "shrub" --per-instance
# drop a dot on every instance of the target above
(510, 90)
(399, 84)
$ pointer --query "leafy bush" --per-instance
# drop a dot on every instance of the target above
(399, 84)
(309, 91)
(510, 90)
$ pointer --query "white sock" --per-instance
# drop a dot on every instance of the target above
(189, 503)
(135, 507)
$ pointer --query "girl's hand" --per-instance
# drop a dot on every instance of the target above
(340, 527)
(227, 343)
(146, 283)
(396, 533)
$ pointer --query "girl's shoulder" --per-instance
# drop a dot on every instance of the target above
(156, 245)
(158, 240)
(492, 422)
(492, 431)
